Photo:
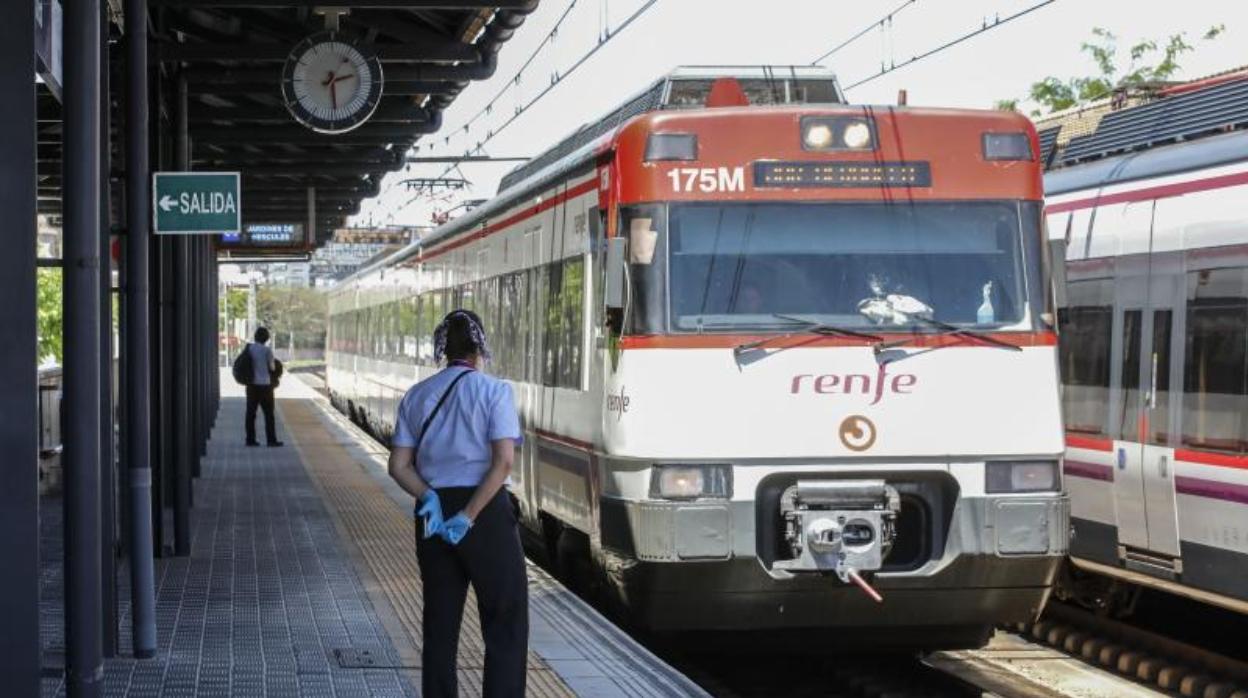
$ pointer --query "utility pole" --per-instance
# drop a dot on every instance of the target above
(137, 341)
(251, 306)
(225, 294)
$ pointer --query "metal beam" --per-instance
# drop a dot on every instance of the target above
(297, 135)
(269, 86)
(344, 170)
(387, 112)
(108, 470)
(465, 159)
(522, 5)
(20, 644)
(84, 666)
(182, 349)
(321, 192)
(137, 345)
(450, 51)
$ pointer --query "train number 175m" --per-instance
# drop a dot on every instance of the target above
(707, 179)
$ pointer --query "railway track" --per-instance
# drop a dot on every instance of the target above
(815, 674)
(1142, 655)
(1076, 637)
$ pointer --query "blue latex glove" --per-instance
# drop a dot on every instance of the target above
(431, 510)
(454, 530)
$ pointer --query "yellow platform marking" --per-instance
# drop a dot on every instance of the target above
(385, 539)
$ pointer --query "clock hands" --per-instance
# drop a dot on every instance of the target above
(331, 81)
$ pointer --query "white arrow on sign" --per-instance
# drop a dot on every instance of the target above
(168, 203)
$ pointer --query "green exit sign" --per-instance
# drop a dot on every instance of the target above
(194, 203)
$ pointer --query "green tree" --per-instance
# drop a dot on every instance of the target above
(294, 315)
(50, 311)
(1148, 62)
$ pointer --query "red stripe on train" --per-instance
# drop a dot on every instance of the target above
(1149, 193)
(583, 188)
(1205, 458)
(564, 440)
(1089, 443)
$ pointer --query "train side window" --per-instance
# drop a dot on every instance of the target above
(1132, 330)
(1215, 374)
(1159, 417)
(573, 321)
(549, 285)
(1086, 326)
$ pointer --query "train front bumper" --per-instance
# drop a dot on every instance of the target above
(707, 565)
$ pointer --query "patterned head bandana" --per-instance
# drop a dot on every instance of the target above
(475, 331)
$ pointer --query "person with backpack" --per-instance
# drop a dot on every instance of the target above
(260, 371)
(454, 441)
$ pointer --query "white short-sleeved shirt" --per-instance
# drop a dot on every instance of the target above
(456, 450)
(261, 363)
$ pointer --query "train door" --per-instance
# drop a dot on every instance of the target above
(1148, 317)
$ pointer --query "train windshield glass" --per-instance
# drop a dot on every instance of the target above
(869, 265)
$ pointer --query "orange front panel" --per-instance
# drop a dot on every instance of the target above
(950, 141)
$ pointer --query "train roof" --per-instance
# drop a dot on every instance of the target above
(685, 87)
(1159, 161)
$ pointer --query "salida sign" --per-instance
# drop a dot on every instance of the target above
(191, 203)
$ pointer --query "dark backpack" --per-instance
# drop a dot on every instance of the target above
(244, 372)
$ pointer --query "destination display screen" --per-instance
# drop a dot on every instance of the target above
(266, 235)
(842, 174)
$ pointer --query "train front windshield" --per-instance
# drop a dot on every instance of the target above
(763, 266)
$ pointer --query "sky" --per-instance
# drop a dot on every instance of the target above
(996, 64)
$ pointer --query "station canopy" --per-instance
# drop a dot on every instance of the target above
(234, 55)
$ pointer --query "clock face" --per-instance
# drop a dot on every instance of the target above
(331, 84)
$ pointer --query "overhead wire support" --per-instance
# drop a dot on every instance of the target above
(986, 27)
(862, 32)
(561, 76)
(515, 79)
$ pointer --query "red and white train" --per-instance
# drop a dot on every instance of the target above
(768, 349)
(1155, 352)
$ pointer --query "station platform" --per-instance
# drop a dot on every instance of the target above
(302, 581)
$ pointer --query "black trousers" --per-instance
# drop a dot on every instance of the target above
(491, 559)
(260, 396)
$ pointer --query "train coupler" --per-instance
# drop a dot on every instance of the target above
(841, 526)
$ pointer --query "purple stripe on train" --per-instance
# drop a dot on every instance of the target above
(1090, 471)
(1211, 489)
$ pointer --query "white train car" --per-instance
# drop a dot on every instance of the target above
(768, 349)
(1154, 351)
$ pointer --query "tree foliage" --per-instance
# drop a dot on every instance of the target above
(1147, 62)
(293, 314)
(49, 315)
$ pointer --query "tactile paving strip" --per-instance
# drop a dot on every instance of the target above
(384, 537)
(267, 593)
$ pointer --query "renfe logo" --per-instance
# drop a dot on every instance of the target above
(856, 383)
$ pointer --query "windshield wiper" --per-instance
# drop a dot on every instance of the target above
(810, 327)
(948, 329)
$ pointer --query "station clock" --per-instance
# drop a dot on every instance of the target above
(331, 83)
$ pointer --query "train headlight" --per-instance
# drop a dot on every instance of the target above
(857, 135)
(837, 133)
(691, 481)
(1020, 476)
(817, 136)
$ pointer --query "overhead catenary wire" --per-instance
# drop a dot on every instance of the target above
(556, 78)
(515, 79)
(950, 44)
(862, 32)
